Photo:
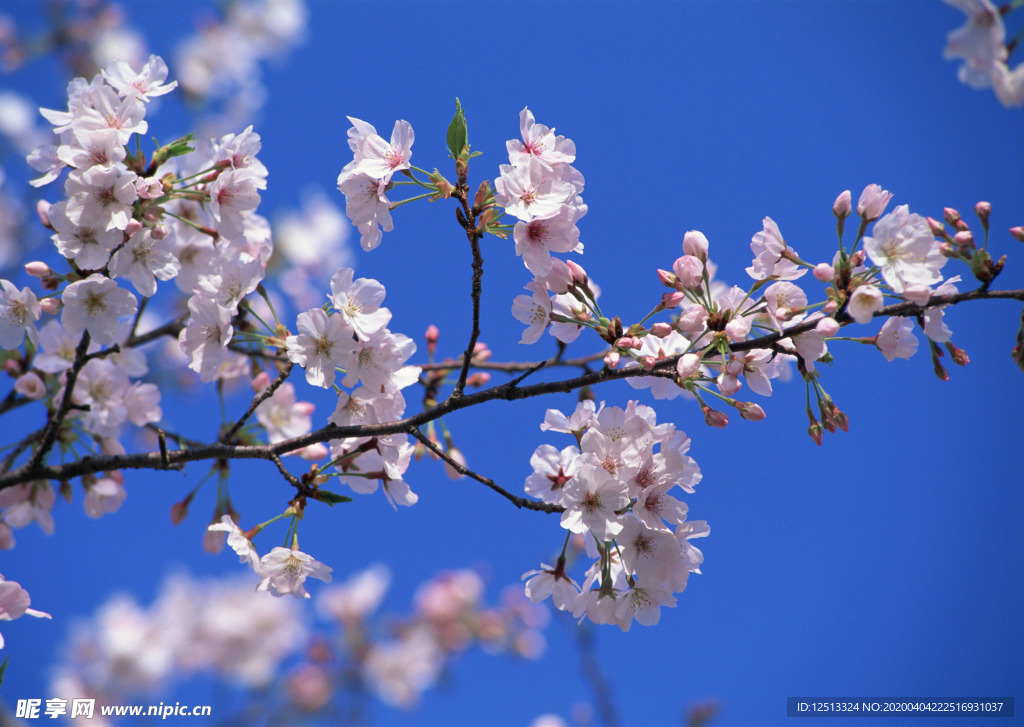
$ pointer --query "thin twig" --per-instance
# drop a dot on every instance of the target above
(506, 392)
(53, 426)
(287, 475)
(520, 502)
(256, 401)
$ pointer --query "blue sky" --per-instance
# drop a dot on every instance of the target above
(884, 564)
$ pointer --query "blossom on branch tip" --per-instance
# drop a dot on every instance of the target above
(14, 601)
(896, 339)
(284, 571)
(771, 256)
(237, 541)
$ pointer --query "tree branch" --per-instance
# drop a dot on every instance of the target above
(520, 502)
(509, 391)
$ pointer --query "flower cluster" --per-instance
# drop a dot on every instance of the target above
(366, 178)
(218, 627)
(615, 485)
(981, 43)
(223, 630)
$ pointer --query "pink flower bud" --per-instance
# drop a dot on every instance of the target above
(661, 329)
(43, 210)
(827, 327)
(737, 329)
(667, 279)
(624, 343)
(455, 454)
(824, 273)
(132, 227)
(690, 271)
(1017, 232)
(840, 418)
(12, 367)
(946, 250)
(261, 381)
(694, 243)
(672, 299)
(480, 378)
(750, 411)
(480, 352)
(178, 511)
(959, 355)
(50, 305)
(687, 365)
(159, 232)
(938, 229)
(314, 452)
(728, 384)
(841, 207)
(30, 386)
(983, 210)
(611, 359)
(432, 334)
(6, 536)
(38, 269)
(692, 322)
(964, 238)
(714, 418)
(579, 275)
(950, 215)
(816, 433)
(830, 307)
(857, 259)
(559, 279)
(873, 201)
(648, 362)
(304, 408)
(213, 541)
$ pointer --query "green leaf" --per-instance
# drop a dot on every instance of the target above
(3, 668)
(331, 498)
(457, 134)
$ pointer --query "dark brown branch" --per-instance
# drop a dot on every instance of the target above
(509, 391)
(467, 219)
(516, 366)
(520, 502)
(53, 426)
(13, 401)
(20, 447)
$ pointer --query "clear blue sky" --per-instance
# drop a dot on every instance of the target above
(884, 564)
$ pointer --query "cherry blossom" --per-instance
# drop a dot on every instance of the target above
(903, 246)
(144, 85)
(14, 601)
(284, 570)
(323, 344)
(19, 310)
(94, 304)
(896, 339)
